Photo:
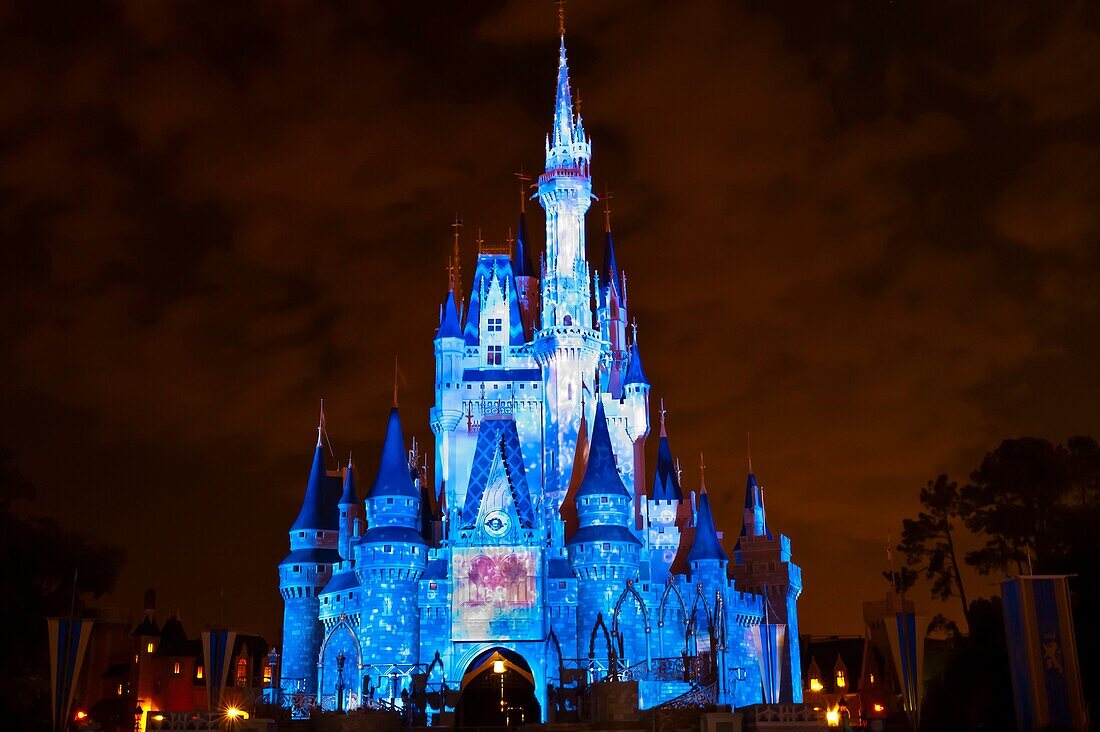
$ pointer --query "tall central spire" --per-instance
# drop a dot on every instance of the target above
(567, 146)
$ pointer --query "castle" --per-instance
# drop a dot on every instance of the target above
(540, 541)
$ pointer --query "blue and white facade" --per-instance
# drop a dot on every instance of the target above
(538, 531)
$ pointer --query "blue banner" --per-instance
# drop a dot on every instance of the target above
(68, 643)
(1042, 653)
(217, 649)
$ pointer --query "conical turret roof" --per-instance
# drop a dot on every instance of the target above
(705, 544)
(316, 512)
(393, 477)
(601, 476)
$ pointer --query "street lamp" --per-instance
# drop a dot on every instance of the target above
(340, 658)
(274, 687)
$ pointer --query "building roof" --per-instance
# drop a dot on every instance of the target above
(392, 535)
(601, 477)
(316, 513)
(705, 545)
(349, 496)
(666, 481)
(312, 556)
(498, 436)
(342, 580)
(604, 532)
(825, 652)
(449, 326)
(393, 477)
(635, 374)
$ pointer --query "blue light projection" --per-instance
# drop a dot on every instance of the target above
(540, 400)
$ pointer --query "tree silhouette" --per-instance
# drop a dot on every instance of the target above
(928, 541)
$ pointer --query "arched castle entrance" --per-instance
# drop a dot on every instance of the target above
(498, 690)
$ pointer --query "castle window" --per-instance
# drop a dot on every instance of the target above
(522, 386)
(242, 673)
(495, 356)
(432, 585)
(267, 673)
(561, 585)
(534, 386)
(302, 534)
(389, 501)
(494, 325)
(320, 568)
(198, 671)
(297, 568)
(388, 549)
(607, 546)
(149, 648)
(120, 689)
(176, 668)
(604, 499)
(469, 386)
(135, 658)
(841, 679)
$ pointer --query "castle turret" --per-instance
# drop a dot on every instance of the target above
(527, 277)
(664, 507)
(635, 400)
(391, 556)
(604, 553)
(314, 539)
(762, 565)
(611, 310)
(447, 412)
(349, 511)
(707, 559)
(567, 347)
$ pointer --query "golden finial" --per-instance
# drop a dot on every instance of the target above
(561, 17)
(702, 474)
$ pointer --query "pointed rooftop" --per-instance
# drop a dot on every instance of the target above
(315, 513)
(449, 325)
(393, 477)
(635, 374)
(666, 481)
(521, 263)
(705, 544)
(601, 477)
(349, 497)
(563, 101)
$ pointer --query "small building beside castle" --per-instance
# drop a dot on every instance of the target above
(537, 544)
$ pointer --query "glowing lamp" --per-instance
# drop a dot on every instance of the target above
(832, 717)
(498, 666)
(80, 715)
(841, 681)
(878, 708)
(233, 714)
(158, 717)
(815, 685)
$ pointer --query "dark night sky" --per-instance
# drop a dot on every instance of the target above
(867, 231)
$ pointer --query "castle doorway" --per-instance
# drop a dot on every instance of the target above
(498, 690)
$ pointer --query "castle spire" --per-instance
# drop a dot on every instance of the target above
(349, 496)
(315, 512)
(522, 264)
(393, 478)
(601, 477)
(666, 481)
(705, 544)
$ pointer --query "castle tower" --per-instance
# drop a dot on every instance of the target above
(664, 507)
(611, 311)
(527, 278)
(447, 412)
(567, 347)
(349, 512)
(314, 538)
(391, 557)
(762, 565)
(604, 553)
(635, 403)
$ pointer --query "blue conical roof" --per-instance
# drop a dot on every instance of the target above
(349, 496)
(449, 326)
(666, 482)
(635, 374)
(706, 544)
(601, 477)
(752, 492)
(316, 512)
(610, 269)
(393, 477)
(521, 262)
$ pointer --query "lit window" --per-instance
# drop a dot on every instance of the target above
(267, 673)
(494, 325)
(135, 658)
(198, 671)
(120, 689)
(815, 685)
(242, 673)
(495, 355)
(432, 585)
(840, 680)
(149, 648)
(176, 668)
(872, 679)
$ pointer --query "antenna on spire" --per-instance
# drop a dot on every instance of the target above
(679, 472)
(663, 433)
(607, 196)
(511, 240)
(321, 422)
(702, 474)
(456, 260)
(396, 371)
(561, 16)
(634, 330)
(479, 241)
(524, 180)
(748, 448)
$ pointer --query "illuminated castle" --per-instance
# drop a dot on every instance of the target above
(540, 540)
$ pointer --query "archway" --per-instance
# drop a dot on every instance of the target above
(498, 690)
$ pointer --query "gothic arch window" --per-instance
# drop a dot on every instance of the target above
(240, 679)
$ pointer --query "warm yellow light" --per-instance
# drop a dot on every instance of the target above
(872, 677)
(840, 680)
(198, 672)
(158, 717)
(176, 668)
(498, 666)
(234, 713)
(80, 715)
(149, 648)
(815, 685)
(832, 717)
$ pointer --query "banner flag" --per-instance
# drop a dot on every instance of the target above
(770, 641)
(1042, 653)
(68, 644)
(905, 633)
(217, 651)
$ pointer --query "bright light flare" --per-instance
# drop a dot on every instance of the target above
(832, 717)
(233, 714)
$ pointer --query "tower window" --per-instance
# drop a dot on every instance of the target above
(149, 648)
(607, 546)
(198, 671)
(495, 356)
(388, 549)
(176, 668)
(297, 568)
(242, 673)
(389, 501)
(494, 325)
